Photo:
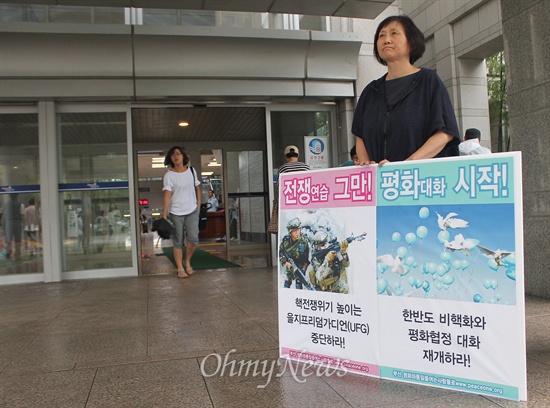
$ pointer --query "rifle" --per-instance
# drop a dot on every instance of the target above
(297, 271)
(334, 245)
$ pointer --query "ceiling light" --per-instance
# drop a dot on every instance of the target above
(183, 123)
(213, 162)
(157, 165)
(157, 160)
(206, 173)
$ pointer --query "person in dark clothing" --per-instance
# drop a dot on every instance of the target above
(352, 158)
(406, 114)
(12, 221)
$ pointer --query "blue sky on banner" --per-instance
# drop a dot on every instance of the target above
(453, 243)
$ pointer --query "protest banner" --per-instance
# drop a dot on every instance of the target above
(428, 288)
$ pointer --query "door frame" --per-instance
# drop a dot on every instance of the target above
(92, 108)
(333, 143)
(253, 247)
(197, 146)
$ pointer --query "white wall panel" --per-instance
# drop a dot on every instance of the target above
(66, 88)
(327, 89)
(331, 58)
(217, 87)
(65, 55)
(159, 62)
(183, 56)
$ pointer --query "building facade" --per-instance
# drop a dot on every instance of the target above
(91, 93)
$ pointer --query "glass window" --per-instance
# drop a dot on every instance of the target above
(241, 20)
(19, 149)
(70, 14)
(317, 23)
(273, 21)
(160, 17)
(22, 13)
(94, 147)
(108, 15)
(96, 229)
(247, 198)
(290, 127)
(198, 18)
(94, 191)
(20, 214)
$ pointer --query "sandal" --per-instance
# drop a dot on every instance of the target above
(182, 274)
(189, 270)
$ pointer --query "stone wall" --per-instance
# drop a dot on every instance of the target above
(526, 30)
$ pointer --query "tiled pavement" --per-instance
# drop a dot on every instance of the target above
(142, 342)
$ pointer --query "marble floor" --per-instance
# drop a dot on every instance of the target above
(153, 341)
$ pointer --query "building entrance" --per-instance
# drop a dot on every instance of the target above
(227, 147)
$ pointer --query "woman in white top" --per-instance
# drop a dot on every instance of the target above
(182, 201)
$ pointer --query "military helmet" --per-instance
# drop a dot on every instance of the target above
(293, 224)
(320, 238)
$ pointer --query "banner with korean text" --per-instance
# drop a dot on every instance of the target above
(333, 319)
(412, 271)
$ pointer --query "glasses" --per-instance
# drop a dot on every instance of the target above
(175, 155)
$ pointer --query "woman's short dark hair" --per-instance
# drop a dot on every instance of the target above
(415, 38)
(168, 159)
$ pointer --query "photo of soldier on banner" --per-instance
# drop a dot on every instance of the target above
(315, 252)
(429, 257)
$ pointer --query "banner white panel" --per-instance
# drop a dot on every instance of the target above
(412, 271)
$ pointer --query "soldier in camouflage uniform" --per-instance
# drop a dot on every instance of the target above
(295, 246)
(329, 266)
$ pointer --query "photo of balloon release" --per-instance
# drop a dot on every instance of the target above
(449, 252)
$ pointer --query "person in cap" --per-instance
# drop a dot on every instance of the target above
(294, 249)
(292, 163)
(471, 144)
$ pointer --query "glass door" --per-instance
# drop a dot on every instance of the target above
(20, 200)
(247, 200)
(305, 127)
(97, 217)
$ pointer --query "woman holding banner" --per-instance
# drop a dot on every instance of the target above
(406, 114)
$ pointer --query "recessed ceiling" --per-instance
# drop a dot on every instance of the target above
(160, 125)
(149, 125)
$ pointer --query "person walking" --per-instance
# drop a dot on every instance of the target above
(31, 227)
(12, 221)
(182, 201)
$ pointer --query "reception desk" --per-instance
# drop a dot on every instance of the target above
(215, 225)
